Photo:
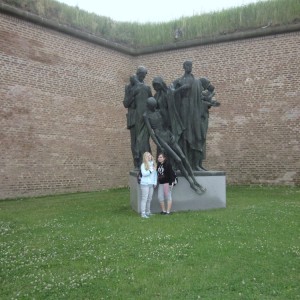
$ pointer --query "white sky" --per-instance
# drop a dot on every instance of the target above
(153, 10)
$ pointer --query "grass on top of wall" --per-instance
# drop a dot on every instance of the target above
(139, 35)
(93, 246)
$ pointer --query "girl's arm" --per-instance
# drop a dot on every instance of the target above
(144, 171)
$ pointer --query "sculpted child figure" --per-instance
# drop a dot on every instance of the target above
(165, 140)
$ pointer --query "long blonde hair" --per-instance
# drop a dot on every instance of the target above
(146, 161)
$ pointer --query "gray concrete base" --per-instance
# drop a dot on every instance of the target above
(184, 198)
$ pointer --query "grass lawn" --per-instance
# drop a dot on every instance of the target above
(93, 246)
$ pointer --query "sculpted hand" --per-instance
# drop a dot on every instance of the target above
(187, 86)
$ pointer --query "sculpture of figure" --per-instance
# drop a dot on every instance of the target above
(166, 105)
(129, 103)
(208, 102)
(188, 98)
(138, 94)
(165, 140)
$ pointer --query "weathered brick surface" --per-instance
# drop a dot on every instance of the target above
(63, 126)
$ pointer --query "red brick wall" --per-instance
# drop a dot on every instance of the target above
(255, 134)
(63, 126)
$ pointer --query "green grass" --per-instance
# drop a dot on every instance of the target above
(140, 35)
(93, 246)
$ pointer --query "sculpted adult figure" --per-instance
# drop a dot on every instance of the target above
(208, 102)
(165, 140)
(129, 103)
(139, 93)
(166, 104)
(189, 104)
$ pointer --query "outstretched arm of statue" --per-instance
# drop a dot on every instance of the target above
(215, 103)
(185, 86)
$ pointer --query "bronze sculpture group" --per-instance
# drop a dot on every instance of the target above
(176, 118)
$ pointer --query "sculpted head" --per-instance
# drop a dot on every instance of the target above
(158, 83)
(187, 66)
(141, 73)
(151, 103)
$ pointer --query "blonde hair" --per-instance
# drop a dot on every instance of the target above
(146, 161)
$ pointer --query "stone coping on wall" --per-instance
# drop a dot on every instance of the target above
(272, 30)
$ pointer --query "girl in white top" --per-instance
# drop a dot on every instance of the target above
(148, 183)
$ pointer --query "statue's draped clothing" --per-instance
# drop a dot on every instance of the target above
(142, 93)
(190, 107)
(166, 105)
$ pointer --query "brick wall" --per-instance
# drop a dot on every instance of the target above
(255, 134)
(63, 126)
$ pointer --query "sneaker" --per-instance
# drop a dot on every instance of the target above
(167, 213)
(144, 216)
(162, 212)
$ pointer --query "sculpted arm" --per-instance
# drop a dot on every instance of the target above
(129, 96)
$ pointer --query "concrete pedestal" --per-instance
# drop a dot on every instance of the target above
(184, 198)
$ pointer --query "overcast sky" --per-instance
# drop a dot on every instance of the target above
(153, 10)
